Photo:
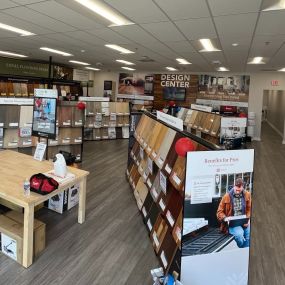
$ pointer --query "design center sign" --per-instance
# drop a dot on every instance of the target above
(175, 80)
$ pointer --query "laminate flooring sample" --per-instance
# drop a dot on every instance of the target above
(26, 116)
(3, 88)
(188, 117)
(77, 117)
(31, 87)
(17, 89)
(197, 121)
(158, 142)
(155, 189)
(90, 108)
(119, 133)
(164, 148)
(24, 89)
(11, 138)
(65, 116)
(158, 233)
(140, 193)
(202, 121)
(153, 137)
(177, 176)
(147, 206)
(65, 135)
(194, 114)
(76, 135)
(216, 125)
(209, 122)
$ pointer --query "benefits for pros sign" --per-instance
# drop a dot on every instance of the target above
(175, 80)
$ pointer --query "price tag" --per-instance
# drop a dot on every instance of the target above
(144, 211)
(141, 153)
(27, 143)
(148, 149)
(149, 225)
(155, 194)
(78, 140)
(178, 233)
(162, 205)
(167, 168)
(13, 124)
(170, 218)
(163, 259)
(163, 182)
(149, 183)
(78, 123)
(25, 132)
(150, 165)
(155, 239)
(144, 144)
(67, 123)
(154, 154)
(176, 179)
(40, 151)
(144, 176)
(160, 161)
(67, 140)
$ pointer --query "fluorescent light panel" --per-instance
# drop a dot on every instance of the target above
(274, 5)
(92, 68)
(127, 68)
(55, 51)
(105, 11)
(183, 61)
(79, 62)
(223, 69)
(171, 68)
(257, 60)
(207, 45)
(125, 62)
(2, 52)
(282, 69)
(15, 30)
(120, 49)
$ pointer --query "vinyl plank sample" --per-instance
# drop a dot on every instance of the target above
(192, 120)
(159, 141)
(153, 137)
(76, 135)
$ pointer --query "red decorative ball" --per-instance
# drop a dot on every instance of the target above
(81, 106)
(242, 115)
(171, 103)
(183, 146)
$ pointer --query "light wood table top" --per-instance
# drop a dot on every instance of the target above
(16, 167)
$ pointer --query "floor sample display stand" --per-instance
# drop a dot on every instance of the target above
(157, 174)
(106, 120)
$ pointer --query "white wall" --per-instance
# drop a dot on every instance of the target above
(99, 82)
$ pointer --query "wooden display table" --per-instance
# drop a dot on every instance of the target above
(14, 169)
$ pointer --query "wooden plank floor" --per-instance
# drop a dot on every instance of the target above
(112, 246)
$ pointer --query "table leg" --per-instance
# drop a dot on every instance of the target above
(28, 236)
(82, 201)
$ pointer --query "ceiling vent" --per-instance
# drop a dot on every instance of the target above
(146, 59)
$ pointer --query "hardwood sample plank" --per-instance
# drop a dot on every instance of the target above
(153, 137)
(140, 193)
(158, 233)
(31, 87)
(65, 136)
(158, 142)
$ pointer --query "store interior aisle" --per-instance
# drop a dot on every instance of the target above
(110, 248)
(267, 262)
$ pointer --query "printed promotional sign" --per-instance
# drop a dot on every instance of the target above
(216, 222)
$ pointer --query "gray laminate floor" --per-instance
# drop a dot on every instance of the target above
(112, 246)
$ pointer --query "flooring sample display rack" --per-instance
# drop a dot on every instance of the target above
(157, 175)
(106, 120)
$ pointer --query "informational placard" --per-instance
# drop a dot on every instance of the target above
(201, 108)
(170, 120)
(44, 113)
(232, 122)
(40, 151)
(218, 190)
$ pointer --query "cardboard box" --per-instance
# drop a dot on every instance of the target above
(11, 229)
(65, 200)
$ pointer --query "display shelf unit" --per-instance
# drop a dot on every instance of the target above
(156, 175)
(106, 120)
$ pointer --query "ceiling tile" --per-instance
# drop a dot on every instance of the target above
(164, 31)
(195, 29)
(65, 14)
(4, 4)
(181, 46)
(241, 26)
(139, 11)
(85, 37)
(184, 9)
(109, 35)
(243, 43)
(25, 2)
(271, 23)
(231, 7)
(135, 34)
(38, 19)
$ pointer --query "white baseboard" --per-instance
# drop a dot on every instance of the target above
(275, 129)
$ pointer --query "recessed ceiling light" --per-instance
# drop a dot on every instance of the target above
(56, 51)
(207, 45)
(79, 62)
(282, 69)
(235, 44)
(2, 52)
(257, 60)
(183, 61)
(92, 68)
(171, 68)
(120, 49)
(127, 68)
(105, 11)
(222, 69)
(22, 33)
(272, 5)
(125, 62)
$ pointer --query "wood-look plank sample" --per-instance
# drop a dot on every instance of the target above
(77, 117)
(13, 116)
(158, 233)
(26, 116)
(76, 135)
(177, 175)
(10, 89)
(96, 134)
(146, 135)
(167, 250)
(158, 142)
(172, 155)
(11, 138)
(202, 121)
(152, 216)
(209, 122)
(104, 133)
(65, 135)
(119, 133)
(3, 116)
(90, 108)
(216, 126)
(192, 120)
(31, 87)
(52, 151)
(88, 133)
(164, 148)
(89, 122)
(24, 89)
(140, 193)
(147, 206)
(17, 89)
(198, 119)
(188, 117)
(3, 88)
(65, 116)
(153, 137)
(155, 189)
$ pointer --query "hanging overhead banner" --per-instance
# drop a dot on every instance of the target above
(9, 66)
(216, 221)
